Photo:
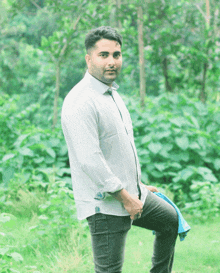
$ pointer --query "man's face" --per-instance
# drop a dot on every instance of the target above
(104, 61)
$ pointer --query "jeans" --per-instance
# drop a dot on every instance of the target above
(108, 235)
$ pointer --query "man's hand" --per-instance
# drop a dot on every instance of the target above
(134, 207)
(131, 203)
(152, 188)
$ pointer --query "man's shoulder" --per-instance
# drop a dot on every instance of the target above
(80, 93)
(81, 100)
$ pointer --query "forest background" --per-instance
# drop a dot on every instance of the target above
(170, 82)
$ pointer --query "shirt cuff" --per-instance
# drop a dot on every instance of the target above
(111, 185)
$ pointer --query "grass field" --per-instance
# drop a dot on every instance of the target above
(198, 253)
(40, 253)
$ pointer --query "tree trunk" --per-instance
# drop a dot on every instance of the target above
(141, 56)
(165, 73)
(203, 95)
(56, 97)
(207, 13)
(118, 7)
(58, 64)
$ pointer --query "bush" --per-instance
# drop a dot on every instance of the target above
(205, 200)
(177, 140)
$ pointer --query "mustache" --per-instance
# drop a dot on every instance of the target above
(111, 70)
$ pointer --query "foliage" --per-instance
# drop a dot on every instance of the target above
(26, 147)
(177, 136)
(181, 52)
(177, 139)
(51, 230)
(72, 252)
(205, 199)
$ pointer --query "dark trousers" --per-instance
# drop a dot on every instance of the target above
(108, 234)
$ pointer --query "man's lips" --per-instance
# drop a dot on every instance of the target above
(110, 71)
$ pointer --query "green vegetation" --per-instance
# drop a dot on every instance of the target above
(176, 128)
(177, 139)
(199, 252)
(38, 226)
(39, 234)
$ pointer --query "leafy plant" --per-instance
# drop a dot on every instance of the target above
(177, 139)
(8, 257)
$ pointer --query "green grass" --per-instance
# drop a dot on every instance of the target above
(32, 243)
(198, 253)
(45, 253)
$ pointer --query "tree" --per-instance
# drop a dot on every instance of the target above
(141, 55)
(58, 46)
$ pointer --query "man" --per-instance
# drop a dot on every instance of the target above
(104, 165)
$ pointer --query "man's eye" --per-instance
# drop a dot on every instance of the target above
(117, 55)
(103, 55)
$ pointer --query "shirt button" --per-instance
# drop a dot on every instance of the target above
(97, 209)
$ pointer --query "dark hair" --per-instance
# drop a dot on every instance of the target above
(101, 33)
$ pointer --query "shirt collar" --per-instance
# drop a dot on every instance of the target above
(98, 85)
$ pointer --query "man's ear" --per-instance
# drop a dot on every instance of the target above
(87, 58)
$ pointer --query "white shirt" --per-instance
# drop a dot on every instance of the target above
(102, 154)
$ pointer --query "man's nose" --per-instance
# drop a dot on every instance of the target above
(111, 61)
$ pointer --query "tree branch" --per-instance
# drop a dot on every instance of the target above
(166, 76)
(67, 43)
(63, 50)
(207, 12)
(77, 21)
(198, 7)
(35, 4)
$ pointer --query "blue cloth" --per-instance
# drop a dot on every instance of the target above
(183, 227)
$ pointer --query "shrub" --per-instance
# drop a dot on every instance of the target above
(177, 140)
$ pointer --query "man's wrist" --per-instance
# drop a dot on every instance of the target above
(122, 195)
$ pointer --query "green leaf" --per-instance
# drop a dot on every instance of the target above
(156, 174)
(20, 140)
(164, 153)
(186, 174)
(4, 250)
(167, 147)
(26, 151)
(43, 217)
(44, 41)
(175, 165)
(210, 177)
(182, 142)
(51, 152)
(4, 218)
(7, 157)
(154, 147)
(160, 135)
(13, 270)
(179, 121)
(160, 166)
(63, 170)
(217, 164)
(38, 160)
(54, 142)
(146, 139)
(7, 174)
(17, 257)
(203, 170)
(194, 146)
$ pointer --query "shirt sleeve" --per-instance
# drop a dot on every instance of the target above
(80, 127)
